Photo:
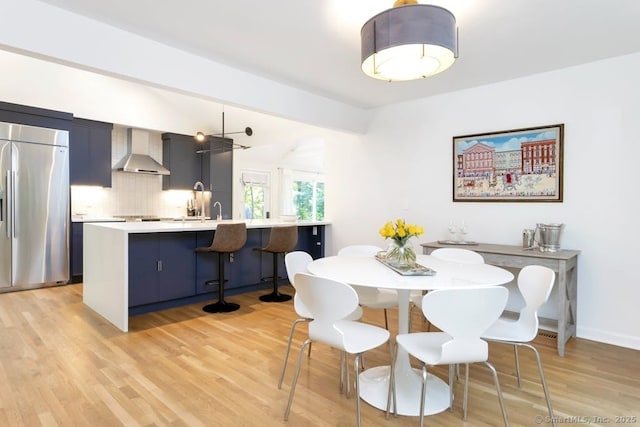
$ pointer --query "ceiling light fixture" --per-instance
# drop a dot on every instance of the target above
(409, 41)
(202, 137)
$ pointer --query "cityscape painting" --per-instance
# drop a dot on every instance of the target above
(520, 165)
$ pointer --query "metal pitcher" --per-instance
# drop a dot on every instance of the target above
(528, 241)
(548, 237)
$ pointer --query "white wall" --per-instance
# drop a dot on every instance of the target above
(403, 168)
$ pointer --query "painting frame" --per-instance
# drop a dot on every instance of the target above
(517, 165)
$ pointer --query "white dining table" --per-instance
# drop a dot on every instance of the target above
(367, 271)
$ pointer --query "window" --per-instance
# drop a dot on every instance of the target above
(256, 194)
(308, 199)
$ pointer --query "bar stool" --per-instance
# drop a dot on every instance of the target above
(228, 238)
(281, 240)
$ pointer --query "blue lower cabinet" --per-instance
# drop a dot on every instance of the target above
(206, 263)
(161, 267)
(245, 269)
(242, 270)
(76, 251)
(164, 267)
(311, 240)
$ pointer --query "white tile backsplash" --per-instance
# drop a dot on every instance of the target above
(130, 193)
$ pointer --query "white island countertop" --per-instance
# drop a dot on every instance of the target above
(106, 258)
(198, 225)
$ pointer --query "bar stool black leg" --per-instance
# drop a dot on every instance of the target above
(220, 306)
(275, 296)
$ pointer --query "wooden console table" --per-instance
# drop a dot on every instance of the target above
(563, 262)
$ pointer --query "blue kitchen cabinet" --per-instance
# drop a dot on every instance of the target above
(246, 262)
(221, 172)
(161, 267)
(76, 251)
(34, 116)
(90, 153)
(244, 270)
(188, 161)
(311, 240)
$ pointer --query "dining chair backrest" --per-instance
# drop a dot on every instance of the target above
(297, 262)
(461, 255)
(476, 309)
(535, 283)
(328, 301)
(359, 250)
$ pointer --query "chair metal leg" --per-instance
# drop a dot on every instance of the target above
(423, 394)
(542, 380)
(495, 379)
(346, 367)
(295, 380)
(391, 393)
(356, 371)
(466, 391)
(341, 371)
(515, 352)
(451, 376)
(286, 353)
(411, 307)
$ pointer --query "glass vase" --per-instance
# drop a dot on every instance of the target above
(401, 255)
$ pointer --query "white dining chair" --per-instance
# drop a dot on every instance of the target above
(297, 262)
(534, 283)
(329, 302)
(460, 255)
(459, 342)
(378, 298)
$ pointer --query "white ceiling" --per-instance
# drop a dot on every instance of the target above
(315, 44)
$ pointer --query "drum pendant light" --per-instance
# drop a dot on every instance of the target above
(409, 41)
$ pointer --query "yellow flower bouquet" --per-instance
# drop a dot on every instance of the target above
(400, 252)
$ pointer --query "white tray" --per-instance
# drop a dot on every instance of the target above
(416, 270)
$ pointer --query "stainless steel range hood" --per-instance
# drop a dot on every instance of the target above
(137, 158)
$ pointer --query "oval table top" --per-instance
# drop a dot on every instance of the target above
(367, 271)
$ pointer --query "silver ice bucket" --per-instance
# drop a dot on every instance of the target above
(549, 237)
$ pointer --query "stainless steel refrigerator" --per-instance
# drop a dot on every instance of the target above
(34, 207)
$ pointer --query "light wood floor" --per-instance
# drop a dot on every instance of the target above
(63, 365)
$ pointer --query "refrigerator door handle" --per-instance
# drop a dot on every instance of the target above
(13, 205)
(9, 205)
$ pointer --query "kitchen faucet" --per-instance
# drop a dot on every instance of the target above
(219, 217)
(195, 188)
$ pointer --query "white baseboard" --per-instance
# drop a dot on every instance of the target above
(628, 341)
(599, 335)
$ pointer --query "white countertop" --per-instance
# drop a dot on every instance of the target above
(196, 225)
(86, 218)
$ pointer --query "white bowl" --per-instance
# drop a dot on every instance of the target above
(288, 218)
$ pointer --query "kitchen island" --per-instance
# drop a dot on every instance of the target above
(137, 267)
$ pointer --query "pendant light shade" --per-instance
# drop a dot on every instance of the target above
(409, 42)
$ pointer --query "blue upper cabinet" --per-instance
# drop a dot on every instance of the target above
(90, 153)
(221, 172)
(34, 116)
(188, 161)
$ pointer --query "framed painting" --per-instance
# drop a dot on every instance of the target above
(520, 165)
